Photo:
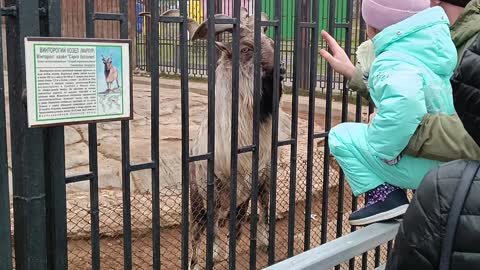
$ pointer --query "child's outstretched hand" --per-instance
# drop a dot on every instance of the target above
(339, 60)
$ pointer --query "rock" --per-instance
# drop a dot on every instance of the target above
(76, 155)
(72, 136)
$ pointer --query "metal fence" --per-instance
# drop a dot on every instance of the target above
(304, 195)
(169, 42)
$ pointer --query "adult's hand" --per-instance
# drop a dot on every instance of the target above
(339, 60)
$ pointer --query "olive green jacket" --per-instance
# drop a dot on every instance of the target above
(439, 136)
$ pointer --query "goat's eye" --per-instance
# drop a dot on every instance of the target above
(245, 50)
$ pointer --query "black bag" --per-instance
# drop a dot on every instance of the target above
(457, 205)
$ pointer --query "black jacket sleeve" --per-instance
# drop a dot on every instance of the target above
(466, 90)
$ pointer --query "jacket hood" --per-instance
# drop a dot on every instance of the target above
(467, 25)
(424, 36)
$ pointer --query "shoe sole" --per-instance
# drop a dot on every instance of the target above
(380, 216)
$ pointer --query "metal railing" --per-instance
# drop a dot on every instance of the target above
(341, 249)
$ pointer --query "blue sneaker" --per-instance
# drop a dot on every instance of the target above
(385, 202)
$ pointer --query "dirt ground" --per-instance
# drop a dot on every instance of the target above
(170, 240)
(111, 247)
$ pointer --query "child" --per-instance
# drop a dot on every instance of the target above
(415, 58)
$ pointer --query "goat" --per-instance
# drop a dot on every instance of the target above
(110, 72)
(223, 106)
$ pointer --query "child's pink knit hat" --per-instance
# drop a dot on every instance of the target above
(382, 13)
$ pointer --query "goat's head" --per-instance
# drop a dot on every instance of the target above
(200, 31)
(107, 62)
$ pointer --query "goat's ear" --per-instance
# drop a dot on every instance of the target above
(223, 48)
(243, 14)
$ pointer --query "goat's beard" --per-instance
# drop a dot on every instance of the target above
(266, 100)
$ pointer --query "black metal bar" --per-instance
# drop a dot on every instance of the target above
(358, 118)
(5, 233)
(311, 132)
(389, 247)
(185, 135)
(79, 178)
(212, 61)
(207, 156)
(345, 92)
(272, 23)
(343, 25)
(155, 100)
(8, 11)
(320, 135)
(100, 16)
(125, 141)
(169, 19)
(275, 113)
(365, 261)
(293, 135)
(257, 82)
(93, 156)
(27, 145)
(234, 137)
(226, 21)
(143, 166)
(55, 187)
(127, 218)
(377, 257)
(328, 124)
(351, 263)
(287, 142)
(246, 149)
(307, 25)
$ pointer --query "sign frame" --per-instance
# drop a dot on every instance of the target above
(30, 66)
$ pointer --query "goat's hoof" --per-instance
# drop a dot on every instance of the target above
(219, 254)
(194, 267)
(263, 248)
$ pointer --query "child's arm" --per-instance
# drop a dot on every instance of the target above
(401, 108)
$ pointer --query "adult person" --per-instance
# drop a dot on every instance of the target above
(428, 237)
(451, 140)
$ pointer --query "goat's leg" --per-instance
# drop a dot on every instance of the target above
(263, 231)
(241, 216)
(198, 227)
(219, 247)
(198, 217)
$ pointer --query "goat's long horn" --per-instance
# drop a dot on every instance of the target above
(250, 21)
(202, 30)
(192, 24)
(145, 14)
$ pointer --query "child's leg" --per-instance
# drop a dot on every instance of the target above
(367, 173)
(364, 171)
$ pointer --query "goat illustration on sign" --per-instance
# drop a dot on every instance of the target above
(109, 80)
(111, 74)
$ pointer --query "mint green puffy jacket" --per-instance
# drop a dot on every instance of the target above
(410, 77)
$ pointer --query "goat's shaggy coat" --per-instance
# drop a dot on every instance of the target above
(223, 115)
